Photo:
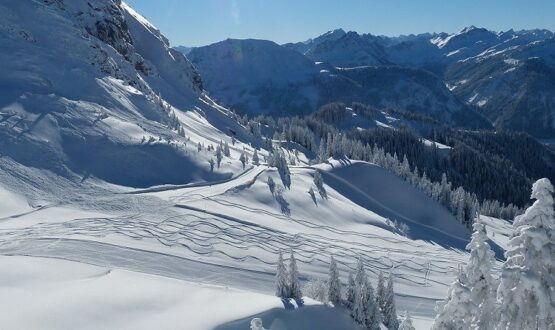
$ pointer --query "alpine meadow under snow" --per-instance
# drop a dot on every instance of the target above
(345, 182)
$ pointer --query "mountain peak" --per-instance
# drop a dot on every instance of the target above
(469, 29)
(331, 35)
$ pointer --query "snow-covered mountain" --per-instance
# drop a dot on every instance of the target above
(485, 69)
(81, 96)
(256, 76)
(430, 51)
(126, 200)
(343, 49)
(513, 87)
(262, 77)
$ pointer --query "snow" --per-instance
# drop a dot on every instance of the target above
(438, 145)
(482, 102)
(12, 204)
(455, 52)
(104, 230)
(473, 98)
(67, 295)
(379, 123)
(200, 233)
(511, 61)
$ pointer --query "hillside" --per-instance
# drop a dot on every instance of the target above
(89, 105)
(513, 88)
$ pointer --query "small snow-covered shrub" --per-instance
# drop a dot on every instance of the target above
(316, 289)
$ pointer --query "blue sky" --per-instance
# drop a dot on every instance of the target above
(201, 22)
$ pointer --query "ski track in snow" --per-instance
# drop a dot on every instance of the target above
(209, 245)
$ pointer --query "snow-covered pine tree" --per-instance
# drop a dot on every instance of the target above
(359, 308)
(282, 286)
(389, 310)
(227, 152)
(319, 183)
(280, 162)
(255, 159)
(360, 273)
(481, 283)
(211, 163)
(373, 317)
(312, 194)
(454, 312)
(407, 323)
(256, 324)
(404, 169)
(294, 285)
(219, 155)
(316, 289)
(365, 310)
(271, 184)
(322, 151)
(334, 285)
(243, 159)
(351, 291)
(526, 292)
(380, 292)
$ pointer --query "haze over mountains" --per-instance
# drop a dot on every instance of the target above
(503, 77)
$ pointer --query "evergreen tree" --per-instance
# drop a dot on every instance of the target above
(351, 291)
(211, 163)
(334, 285)
(279, 161)
(227, 152)
(243, 159)
(316, 289)
(454, 312)
(389, 310)
(359, 308)
(271, 184)
(407, 323)
(319, 183)
(256, 324)
(219, 155)
(373, 317)
(294, 286)
(282, 286)
(322, 151)
(255, 159)
(480, 280)
(380, 292)
(365, 309)
(527, 289)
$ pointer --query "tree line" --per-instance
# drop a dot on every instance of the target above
(484, 170)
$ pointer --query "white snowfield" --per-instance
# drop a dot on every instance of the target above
(224, 236)
(57, 294)
(111, 218)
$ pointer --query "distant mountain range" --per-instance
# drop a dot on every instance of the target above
(473, 78)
